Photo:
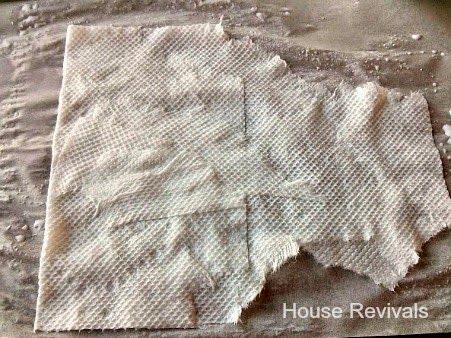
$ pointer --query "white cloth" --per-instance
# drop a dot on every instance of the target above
(187, 165)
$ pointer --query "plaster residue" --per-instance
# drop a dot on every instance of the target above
(188, 165)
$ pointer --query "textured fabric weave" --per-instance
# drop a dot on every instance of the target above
(187, 165)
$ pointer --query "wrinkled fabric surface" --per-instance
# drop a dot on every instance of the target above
(187, 165)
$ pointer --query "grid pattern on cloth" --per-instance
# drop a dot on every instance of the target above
(187, 165)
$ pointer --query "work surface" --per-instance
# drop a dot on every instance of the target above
(332, 41)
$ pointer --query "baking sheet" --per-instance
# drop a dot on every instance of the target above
(355, 41)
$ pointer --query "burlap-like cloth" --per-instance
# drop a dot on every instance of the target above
(188, 165)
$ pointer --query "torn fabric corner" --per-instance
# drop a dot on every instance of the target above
(187, 165)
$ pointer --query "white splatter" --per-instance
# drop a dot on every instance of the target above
(26, 8)
(447, 129)
(38, 224)
(19, 238)
(5, 198)
(261, 16)
(30, 20)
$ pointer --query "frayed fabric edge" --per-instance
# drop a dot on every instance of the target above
(293, 249)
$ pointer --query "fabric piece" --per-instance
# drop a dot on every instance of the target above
(187, 165)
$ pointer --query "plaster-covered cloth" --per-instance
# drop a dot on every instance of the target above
(187, 165)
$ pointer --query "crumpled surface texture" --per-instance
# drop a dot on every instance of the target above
(187, 165)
